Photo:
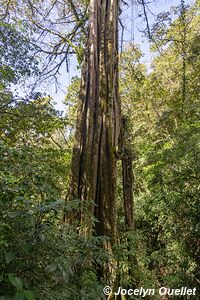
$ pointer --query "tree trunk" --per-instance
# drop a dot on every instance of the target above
(126, 154)
(93, 171)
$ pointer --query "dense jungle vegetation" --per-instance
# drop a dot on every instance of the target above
(57, 247)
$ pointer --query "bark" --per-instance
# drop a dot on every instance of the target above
(93, 171)
(126, 154)
(127, 174)
(128, 191)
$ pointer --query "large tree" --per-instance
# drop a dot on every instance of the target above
(93, 172)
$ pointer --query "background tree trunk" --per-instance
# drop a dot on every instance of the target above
(126, 154)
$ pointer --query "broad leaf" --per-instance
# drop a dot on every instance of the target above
(29, 295)
(16, 281)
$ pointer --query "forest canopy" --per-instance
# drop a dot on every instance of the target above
(107, 193)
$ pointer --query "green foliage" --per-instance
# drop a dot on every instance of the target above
(16, 55)
(32, 170)
(163, 109)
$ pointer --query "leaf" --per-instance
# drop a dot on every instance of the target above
(51, 268)
(19, 296)
(29, 295)
(16, 281)
(65, 276)
(5, 225)
(14, 214)
(9, 257)
(41, 236)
